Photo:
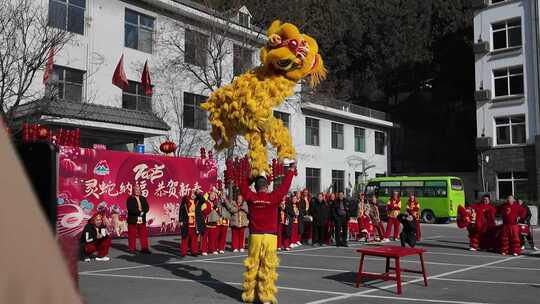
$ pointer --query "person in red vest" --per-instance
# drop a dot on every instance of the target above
(137, 207)
(413, 208)
(284, 226)
(95, 239)
(393, 208)
(192, 213)
(483, 224)
(262, 260)
(294, 206)
(510, 241)
(209, 242)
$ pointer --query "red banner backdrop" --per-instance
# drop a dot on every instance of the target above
(93, 181)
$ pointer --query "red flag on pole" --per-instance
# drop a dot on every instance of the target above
(119, 77)
(49, 66)
(146, 83)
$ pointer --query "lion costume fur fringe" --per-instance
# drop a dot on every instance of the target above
(245, 107)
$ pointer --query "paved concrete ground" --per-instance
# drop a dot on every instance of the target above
(315, 275)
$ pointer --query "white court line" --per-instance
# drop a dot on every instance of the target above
(487, 282)
(210, 282)
(190, 261)
(415, 262)
(410, 282)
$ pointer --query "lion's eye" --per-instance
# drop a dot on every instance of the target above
(293, 44)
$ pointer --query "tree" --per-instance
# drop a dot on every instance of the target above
(25, 42)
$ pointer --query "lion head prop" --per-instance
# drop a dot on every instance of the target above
(245, 107)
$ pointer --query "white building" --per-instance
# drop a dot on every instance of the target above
(506, 48)
(336, 142)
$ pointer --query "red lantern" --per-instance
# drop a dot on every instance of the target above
(167, 147)
(43, 132)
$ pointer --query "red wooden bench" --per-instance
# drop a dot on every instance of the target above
(390, 252)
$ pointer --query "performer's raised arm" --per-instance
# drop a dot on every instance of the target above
(282, 190)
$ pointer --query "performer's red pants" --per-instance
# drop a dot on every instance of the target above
(295, 237)
(209, 239)
(222, 237)
(238, 239)
(283, 240)
(101, 246)
(392, 222)
(510, 242)
(191, 238)
(133, 230)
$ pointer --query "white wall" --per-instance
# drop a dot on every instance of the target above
(486, 63)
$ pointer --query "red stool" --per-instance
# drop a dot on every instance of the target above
(390, 252)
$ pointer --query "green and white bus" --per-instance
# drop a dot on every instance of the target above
(439, 196)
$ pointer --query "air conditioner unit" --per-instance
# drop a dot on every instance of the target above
(481, 47)
(482, 95)
(484, 143)
(479, 4)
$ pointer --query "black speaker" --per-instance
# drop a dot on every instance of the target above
(40, 160)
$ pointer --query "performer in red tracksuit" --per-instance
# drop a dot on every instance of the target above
(393, 208)
(95, 239)
(510, 242)
(284, 226)
(137, 208)
(193, 211)
(295, 209)
(262, 260)
(484, 224)
(413, 208)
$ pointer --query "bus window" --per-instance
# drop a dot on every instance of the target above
(456, 184)
(435, 189)
(408, 187)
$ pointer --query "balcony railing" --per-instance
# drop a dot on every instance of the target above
(350, 108)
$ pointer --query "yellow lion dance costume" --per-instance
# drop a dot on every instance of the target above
(245, 107)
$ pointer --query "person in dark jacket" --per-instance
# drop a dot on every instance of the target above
(193, 211)
(95, 239)
(320, 211)
(408, 233)
(137, 207)
(525, 218)
(340, 214)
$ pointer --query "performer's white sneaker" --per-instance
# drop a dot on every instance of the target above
(103, 259)
(221, 251)
(87, 260)
(522, 247)
(236, 250)
(215, 252)
(515, 254)
(472, 249)
(242, 250)
(204, 253)
(535, 248)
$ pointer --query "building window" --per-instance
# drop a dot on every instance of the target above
(508, 81)
(337, 136)
(497, 1)
(195, 48)
(242, 59)
(359, 140)
(510, 130)
(283, 116)
(139, 31)
(135, 98)
(506, 34)
(243, 19)
(512, 183)
(379, 143)
(338, 178)
(194, 116)
(67, 83)
(313, 180)
(312, 131)
(67, 15)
